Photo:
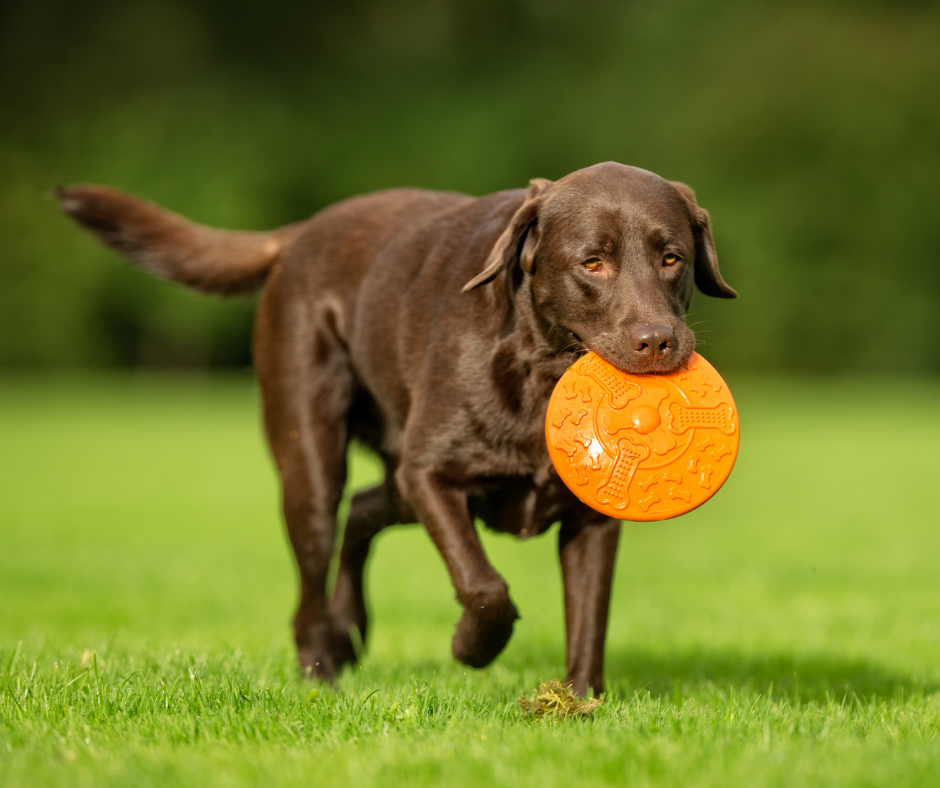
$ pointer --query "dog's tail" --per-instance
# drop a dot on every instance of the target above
(172, 247)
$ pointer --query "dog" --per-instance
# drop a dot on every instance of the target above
(432, 327)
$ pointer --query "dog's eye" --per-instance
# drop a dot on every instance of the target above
(592, 265)
(670, 260)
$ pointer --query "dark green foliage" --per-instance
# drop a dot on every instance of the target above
(810, 130)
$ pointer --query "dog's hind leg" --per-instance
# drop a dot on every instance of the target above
(307, 386)
(371, 511)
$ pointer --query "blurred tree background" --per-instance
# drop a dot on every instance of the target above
(810, 130)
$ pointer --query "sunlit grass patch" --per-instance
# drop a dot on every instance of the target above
(786, 634)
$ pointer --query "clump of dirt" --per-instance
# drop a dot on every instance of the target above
(555, 701)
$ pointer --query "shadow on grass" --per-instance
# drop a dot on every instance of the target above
(784, 676)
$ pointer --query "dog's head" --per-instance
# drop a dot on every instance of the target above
(610, 254)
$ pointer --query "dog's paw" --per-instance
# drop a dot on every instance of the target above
(483, 633)
(322, 651)
(345, 644)
(316, 663)
(348, 623)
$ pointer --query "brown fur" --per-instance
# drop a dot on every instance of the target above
(433, 327)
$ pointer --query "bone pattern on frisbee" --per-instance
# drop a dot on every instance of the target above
(654, 447)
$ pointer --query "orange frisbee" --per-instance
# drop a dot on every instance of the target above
(642, 447)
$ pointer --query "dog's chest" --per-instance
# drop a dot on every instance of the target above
(522, 494)
(522, 506)
(518, 490)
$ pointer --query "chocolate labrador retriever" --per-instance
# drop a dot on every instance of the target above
(432, 327)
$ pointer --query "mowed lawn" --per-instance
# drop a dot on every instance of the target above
(786, 634)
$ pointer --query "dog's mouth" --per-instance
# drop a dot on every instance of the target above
(663, 366)
(678, 359)
(576, 346)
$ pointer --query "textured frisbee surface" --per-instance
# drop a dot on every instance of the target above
(642, 447)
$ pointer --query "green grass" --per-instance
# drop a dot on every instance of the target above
(786, 634)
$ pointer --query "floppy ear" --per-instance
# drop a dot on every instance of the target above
(707, 277)
(519, 241)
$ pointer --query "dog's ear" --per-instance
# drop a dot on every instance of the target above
(519, 240)
(707, 277)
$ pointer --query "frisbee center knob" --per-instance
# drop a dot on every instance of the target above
(645, 419)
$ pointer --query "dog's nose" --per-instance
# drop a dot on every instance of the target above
(651, 343)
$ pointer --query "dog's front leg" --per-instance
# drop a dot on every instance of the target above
(486, 624)
(588, 553)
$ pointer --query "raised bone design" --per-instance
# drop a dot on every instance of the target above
(719, 417)
(615, 491)
(647, 503)
(680, 495)
(621, 391)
